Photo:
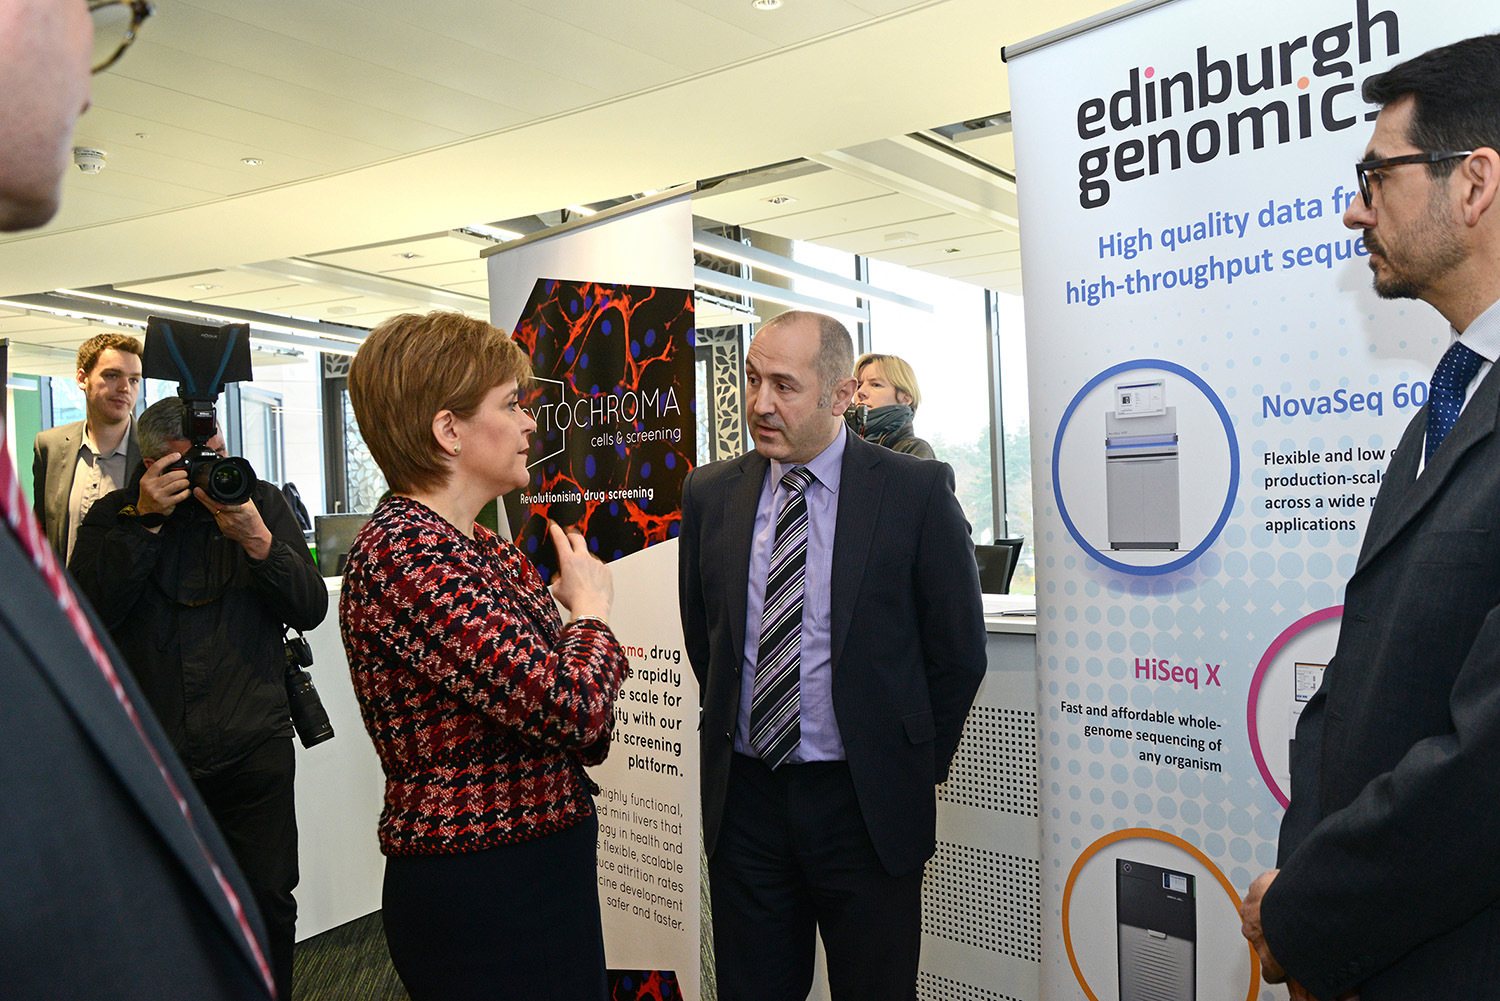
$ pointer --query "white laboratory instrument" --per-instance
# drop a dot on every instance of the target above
(1142, 488)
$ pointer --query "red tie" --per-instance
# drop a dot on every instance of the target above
(29, 533)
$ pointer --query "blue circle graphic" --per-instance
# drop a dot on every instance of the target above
(1234, 467)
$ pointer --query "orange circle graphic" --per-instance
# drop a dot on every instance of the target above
(1171, 839)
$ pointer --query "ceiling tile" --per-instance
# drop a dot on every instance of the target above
(262, 135)
(815, 186)
(937, 252)
(332, 45)
(433, 248)
(356, 117)
(179, 152)
(796, 21)
(287, 298)
(933, 228)
(694, 40)
(181, 286)
(442, 275)
(820, 224)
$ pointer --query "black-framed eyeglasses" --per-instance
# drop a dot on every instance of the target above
(1363, 168)
(116, 23)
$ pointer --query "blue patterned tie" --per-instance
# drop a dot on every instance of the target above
(1449, 381)
(775, 724)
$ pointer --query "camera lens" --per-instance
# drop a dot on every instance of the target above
(228, 481)
(225, 479)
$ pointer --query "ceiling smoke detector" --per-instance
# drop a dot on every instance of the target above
(90, 161)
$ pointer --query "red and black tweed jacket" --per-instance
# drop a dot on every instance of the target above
(483, 706)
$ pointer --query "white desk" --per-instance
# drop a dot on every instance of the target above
(340, 790)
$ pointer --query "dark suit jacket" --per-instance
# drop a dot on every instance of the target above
(908, 638)
(1390, 851)
(54, 460)
(104, 891)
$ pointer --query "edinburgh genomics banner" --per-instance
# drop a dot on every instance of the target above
(606, 312)
(1215, 392)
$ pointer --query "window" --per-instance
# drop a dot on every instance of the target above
(261, 440)
(67, 401)
(293, 384)
(1009, 323)
(835, 262)
(947, 350)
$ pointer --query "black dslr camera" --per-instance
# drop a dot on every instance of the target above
(309, 718)
(201, 359)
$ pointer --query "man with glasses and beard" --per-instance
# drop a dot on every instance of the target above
(114, 882)
(1389, 881)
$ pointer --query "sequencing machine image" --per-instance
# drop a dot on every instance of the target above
(1140, 468)
(1157, 914)
(1307, 679)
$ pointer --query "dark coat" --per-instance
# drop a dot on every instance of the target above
(905, 440)
(1390, 851)
(200, 623)
(105, 891)
(908, 639)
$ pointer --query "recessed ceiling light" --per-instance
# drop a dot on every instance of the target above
(340, 310)
(901, 236)
(251, 161)
(766, 4)
(408, 256)
(781, 199)
(205, 287)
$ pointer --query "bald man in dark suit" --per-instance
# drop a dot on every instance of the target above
(823, 823)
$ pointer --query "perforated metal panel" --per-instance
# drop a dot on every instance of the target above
(931, 987)
(985, 899)
(995, 767)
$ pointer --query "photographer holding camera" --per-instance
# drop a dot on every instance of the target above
(197, 594)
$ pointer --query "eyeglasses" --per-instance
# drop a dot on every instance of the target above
(115, 25)
(1363, 169)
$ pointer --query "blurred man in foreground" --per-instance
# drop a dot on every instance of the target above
(113, 880)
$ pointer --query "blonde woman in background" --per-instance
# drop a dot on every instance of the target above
(888, 387)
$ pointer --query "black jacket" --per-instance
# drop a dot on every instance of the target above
(891, 427)
(1390, 881)
(199, 622)
(906, 632)
(904, 439)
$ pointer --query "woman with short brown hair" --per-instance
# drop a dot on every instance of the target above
(483, 705)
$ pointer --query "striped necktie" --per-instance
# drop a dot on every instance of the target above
(1450, 380)
(33, 542)
(775, 727)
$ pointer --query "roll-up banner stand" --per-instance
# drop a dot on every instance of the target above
(605, 309)
(1215, 393)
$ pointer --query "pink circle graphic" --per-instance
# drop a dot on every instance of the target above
(1311, 619)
